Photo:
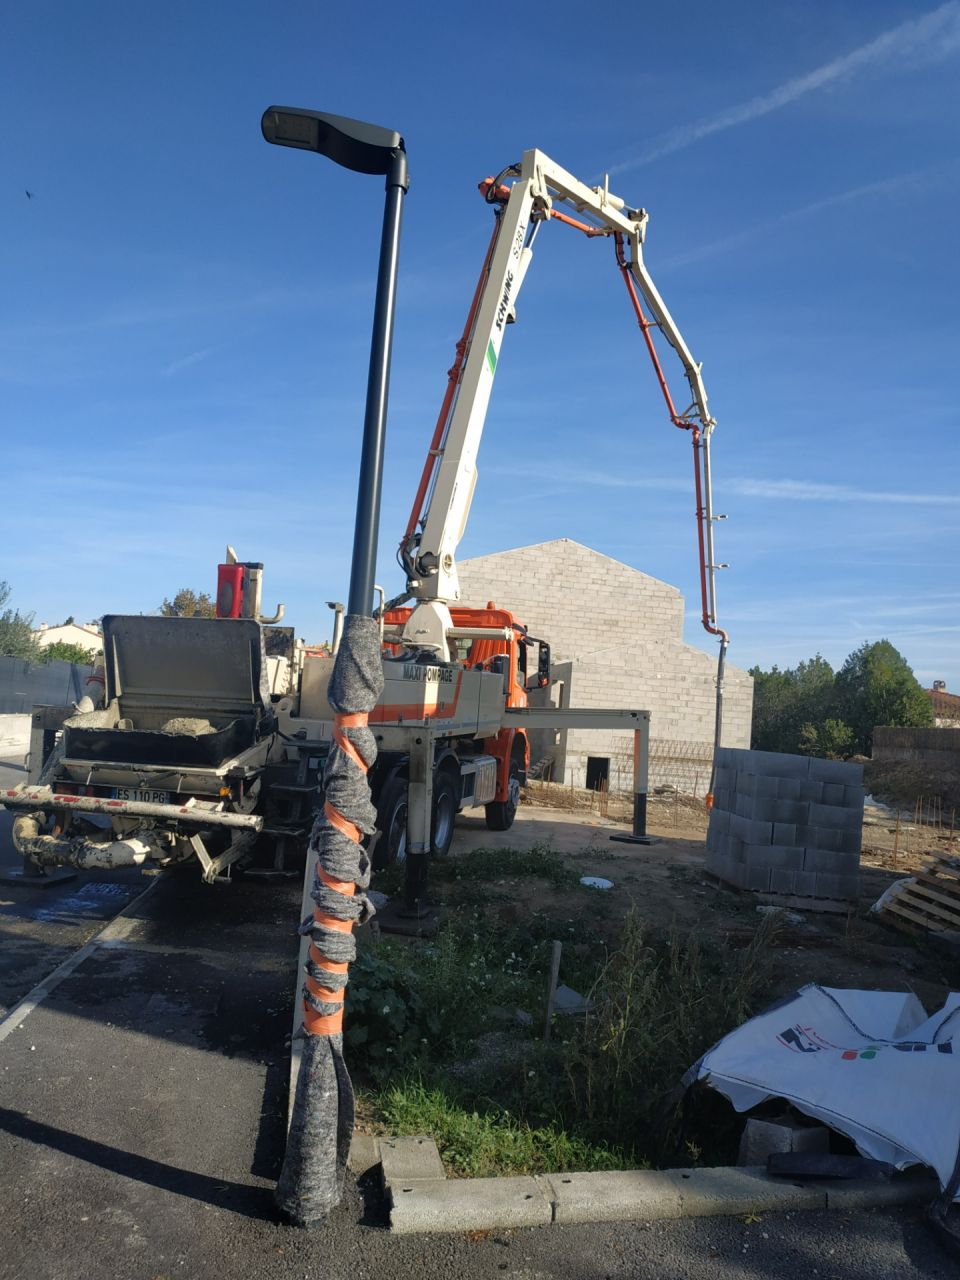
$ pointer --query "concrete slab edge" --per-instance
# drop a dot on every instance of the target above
(472, 1204)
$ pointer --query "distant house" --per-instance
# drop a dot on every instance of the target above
(88, 637)
(945, 706)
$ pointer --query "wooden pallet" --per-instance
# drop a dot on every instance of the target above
(932, 901)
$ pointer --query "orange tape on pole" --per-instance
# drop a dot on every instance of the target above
(322, 1024)
(318, 1024)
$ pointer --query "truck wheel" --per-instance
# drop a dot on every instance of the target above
(445, 805)
(392, 821)
(501, 813)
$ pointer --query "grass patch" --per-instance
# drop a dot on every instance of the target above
(433, 1034)
(492, 1143)
(508, 864)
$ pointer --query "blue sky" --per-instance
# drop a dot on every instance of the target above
(185, 313)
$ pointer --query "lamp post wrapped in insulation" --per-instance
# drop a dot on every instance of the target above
(321, 1125)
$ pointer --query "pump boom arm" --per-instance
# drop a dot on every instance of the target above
(542, 190)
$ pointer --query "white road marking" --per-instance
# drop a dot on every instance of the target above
(119, 927)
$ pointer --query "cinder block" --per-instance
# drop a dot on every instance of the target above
(724, 777)
(789, 788)
(769, 808)
(850, 842)
(841, 771)
(805, 884)
(757, 878)
(784, 857)
(750, 831)
(784, 833)
(713, 839)
(743, 805)
(796, 812)
(766, 786)
(763, 1138)
(836, 886)
(833, 792)
(811, 791)
(783, 881)
(719, 820)
(828, 860)
(835, 815)
(779, 765)
(824, 838)
(721, 800)
(745, 784)
(853, 797)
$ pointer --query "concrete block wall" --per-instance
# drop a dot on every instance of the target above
(616, 637)
(786, 824)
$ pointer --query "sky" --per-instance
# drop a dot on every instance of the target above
(185, 311)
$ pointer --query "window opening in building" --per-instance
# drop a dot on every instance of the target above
(598, 772)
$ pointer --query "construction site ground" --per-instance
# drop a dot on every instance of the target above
(143, 1100)
(847, 948)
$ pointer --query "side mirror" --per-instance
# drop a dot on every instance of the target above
(542, 679)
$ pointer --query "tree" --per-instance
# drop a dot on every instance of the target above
(876, 686)
(64, 651)
(189, 604)
(791, 706)
(16, 631)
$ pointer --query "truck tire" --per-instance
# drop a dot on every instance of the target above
(501, 813)
(392, 819)
(445, 806)
(392, 824)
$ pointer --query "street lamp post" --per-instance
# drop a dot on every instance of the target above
(322, 1114)
(365, 148)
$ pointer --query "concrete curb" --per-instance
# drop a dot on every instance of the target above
(419, 1201)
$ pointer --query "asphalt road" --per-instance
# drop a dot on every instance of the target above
(142, 1110)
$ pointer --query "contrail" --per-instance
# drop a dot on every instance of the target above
(918, 42)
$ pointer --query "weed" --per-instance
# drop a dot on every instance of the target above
(478, 1144)
(509, 864)
(658, 1008)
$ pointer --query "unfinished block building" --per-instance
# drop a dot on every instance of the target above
(617, 641)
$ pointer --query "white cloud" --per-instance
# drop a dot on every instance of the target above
(808, 491)
(567, 478)
(916, 43)
(915, 178)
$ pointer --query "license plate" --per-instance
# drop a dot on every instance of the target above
(143, 797)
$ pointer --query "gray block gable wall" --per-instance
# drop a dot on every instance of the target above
(617, 640)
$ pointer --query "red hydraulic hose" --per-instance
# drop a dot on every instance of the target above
(698, 444)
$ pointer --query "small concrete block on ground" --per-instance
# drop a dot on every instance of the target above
(468, 1204)
(364, 1153)
(632, 1195)
(763, 1138)
(412, 1159)
(707, 1192)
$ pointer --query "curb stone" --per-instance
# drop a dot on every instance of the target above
(420, 1200)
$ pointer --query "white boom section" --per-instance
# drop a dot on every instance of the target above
(541, 184)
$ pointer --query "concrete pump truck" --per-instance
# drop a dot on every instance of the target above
(202, 750)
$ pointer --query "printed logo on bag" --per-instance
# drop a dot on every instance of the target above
(806, 1040)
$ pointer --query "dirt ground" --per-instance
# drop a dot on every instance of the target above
(667, 881)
